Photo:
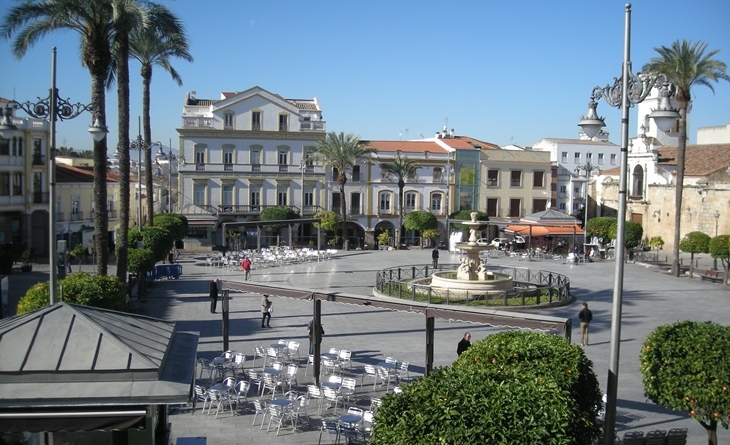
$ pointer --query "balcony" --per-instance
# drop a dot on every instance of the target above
(255, 167)
(312, 125)
(200, 122)
(283, 168)
(78, 216)
(199, 167)
(227, 167)
(112, 214)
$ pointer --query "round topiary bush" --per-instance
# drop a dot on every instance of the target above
(102, 291)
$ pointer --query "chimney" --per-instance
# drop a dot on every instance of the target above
(452, 133)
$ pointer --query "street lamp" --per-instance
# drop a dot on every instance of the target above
(169, 157)
(626, 91)
(139, 145)
(717, 219)
(54, 109)
(588, 167)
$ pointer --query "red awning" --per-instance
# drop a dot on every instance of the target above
(538, 230)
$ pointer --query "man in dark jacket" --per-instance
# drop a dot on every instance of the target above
(464, 344)
(585, 316)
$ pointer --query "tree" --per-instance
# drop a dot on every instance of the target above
(694, 242)
(685, 367)
(685, 64)
(632, 233)
(402, 168)
(544, 387)
(719, 247)
(277, 213)
(176, 224)
(465, 215)
(154, 44)
(341, 152)
(422, 221)
(92, 20)
(601, 227)
(328, 220)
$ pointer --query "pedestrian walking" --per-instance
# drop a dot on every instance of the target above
(585, 316)
(464, 344)
(246, 266)
(213, 295)
(310, 333)
(266, 309)
(435, 257)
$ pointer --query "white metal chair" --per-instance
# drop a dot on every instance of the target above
(278, 414)
(331, 396)
(348, 388)
(332, 428)
(383, 375)
(271, 384)
(293, 348)
(300, 410)
(290, 378)
(345, 357)
(402, 372)
(241, 392)
(332, 366)
(260, 407)
(258, 351)
(220, 399)
(313, 392)
(201, 395)
(370, 372)
(310, 361)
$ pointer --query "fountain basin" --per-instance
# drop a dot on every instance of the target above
(486, 281)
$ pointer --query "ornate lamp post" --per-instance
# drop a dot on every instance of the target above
(626, 91)
(54, 109)
(588, 168)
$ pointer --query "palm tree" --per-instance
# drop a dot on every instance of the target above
(151, 45)
(341, 152)
(685, 64)
(403, 168)
(92, 19)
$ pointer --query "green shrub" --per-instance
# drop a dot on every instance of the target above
(512, 388)
(102, 291)
(35, 298)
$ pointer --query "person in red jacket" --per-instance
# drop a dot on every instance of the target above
(246, 266)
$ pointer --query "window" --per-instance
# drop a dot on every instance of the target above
(255, 200)
(4, 183)
(308, 198)
(564, 157)
(466, 175)
(576, 158)
(576, 191)
(385, 174)
(492, 207)
(514, 208)
(637, 189)
(198, 194)
(200, 155)
(355, 173)
(601, 157)
(256, 120)
(538, 179)
(228, 120)
(283, 122)
(255, 160)
(613, 159)
(228, 159)
(589, 157)
(539, 205)
(335, 173)
(227, 195)
(410, 201)
(38, 152)
(492, 177)
(17, 183)
(336, 203)
(438, 174)
(562, 206)
(563, 189)
(281, 197)
(515, 178)
(576, 206)
(4, 147)
(384, 202)
(283, 160)
(436, 199)
(355, 203)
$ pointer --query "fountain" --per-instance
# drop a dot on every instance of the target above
(472, 274)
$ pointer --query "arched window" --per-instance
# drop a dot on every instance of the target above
(637, 187)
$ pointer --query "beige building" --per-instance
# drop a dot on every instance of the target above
(24, 185)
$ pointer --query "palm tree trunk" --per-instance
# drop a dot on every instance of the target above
(123, 149)
(679, 188)
(343, 212)
(101, 215)
(401, 185)
(147, 131)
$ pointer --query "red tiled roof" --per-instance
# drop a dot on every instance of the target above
(465, 142)
(66, 173)
(700, 160)
(406, 146)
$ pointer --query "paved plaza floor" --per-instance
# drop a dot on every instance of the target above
(651, 298)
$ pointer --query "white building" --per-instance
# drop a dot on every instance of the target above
(246, 151)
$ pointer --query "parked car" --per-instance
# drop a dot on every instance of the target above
(484, 242)
(500, 242)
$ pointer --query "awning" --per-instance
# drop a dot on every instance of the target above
(35, 421)
(540, 230)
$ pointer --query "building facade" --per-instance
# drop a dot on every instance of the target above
(244, 152)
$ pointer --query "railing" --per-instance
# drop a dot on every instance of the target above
(112, 214)
(199, 167)
(248, 209)
(531, 287)
(78, 216)
(312, 125)
(283, 168)
(227, 167)
(197, 122)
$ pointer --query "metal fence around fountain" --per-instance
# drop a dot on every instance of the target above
(531, 287)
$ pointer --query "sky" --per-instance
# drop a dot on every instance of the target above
(507, 72)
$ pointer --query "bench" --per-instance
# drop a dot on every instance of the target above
(712, 275)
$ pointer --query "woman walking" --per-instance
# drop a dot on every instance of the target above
(213, 295)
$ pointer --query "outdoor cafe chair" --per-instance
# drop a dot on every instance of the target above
(370, 372)
(271, 384)
(332, 428)
(345, 357)
(633, 438)
(300, 409)
(260, 407)
(402, 372)
(201, 395)
(255, 378)
(238, 360)
(206, 365)
(258, 351)
(348, 387)
(677, 436)
(241, 392)
(278, 414)
(313, 392)
(656, 437)
(310, 361)
(291, 376)
(333, 366)
(384, 376)
(331, 396)
(221, 400)
(335, 351)
(292, 348)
